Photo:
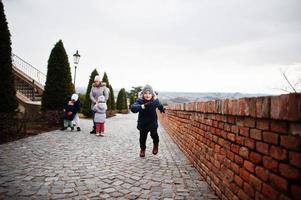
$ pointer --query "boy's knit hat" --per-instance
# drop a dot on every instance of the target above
(97, 78)
(74, 97)
(147, 88)
(101, 98)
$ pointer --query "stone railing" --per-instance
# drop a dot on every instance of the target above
(29, 70)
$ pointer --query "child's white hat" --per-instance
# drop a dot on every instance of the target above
(74, 97)
(101, 98)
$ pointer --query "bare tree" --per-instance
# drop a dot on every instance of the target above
(288, 81)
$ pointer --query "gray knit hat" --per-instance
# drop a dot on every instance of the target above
(147, 88)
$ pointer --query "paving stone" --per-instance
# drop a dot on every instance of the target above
(104, 196)
(135, 189)
(83, 192)
(28, 178)
(109, 190)
(42, 192)
(73, 194)
(56, 190)
(127, 185)
(95, 194)
(133, 195)
(58, 196)
(117, 183)
(51, 179)
(78, 165)
(116, 194)
(68, 190)
(146, 186)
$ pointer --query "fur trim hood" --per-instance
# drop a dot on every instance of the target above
(100, 85)
(140, 96)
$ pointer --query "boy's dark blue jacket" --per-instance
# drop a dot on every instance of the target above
(147, 118)
(74, 109)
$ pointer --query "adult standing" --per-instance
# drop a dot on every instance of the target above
(98, 88)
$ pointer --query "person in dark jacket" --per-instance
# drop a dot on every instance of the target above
(71, 108)
(146, 105)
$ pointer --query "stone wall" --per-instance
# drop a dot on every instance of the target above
(247, 148)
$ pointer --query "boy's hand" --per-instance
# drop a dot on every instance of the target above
(69, 113)
(146, 105)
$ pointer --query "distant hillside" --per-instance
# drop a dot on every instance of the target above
(183, 97)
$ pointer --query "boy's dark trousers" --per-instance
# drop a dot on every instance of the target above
(143, 137)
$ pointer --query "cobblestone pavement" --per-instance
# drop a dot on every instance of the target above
(78, 165)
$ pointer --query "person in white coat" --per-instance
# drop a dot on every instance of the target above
(98, 88)
(100, 115)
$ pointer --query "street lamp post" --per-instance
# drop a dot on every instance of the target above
(76, 58)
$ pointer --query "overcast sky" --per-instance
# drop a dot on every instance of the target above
(173, 45)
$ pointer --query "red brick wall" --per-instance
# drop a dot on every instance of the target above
(247, 148)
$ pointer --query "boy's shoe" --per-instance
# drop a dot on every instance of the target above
(142, 153)
(72, 128)
(78, 129)
(64, 128)
(93, 131)
(155, 149)
(97, 134)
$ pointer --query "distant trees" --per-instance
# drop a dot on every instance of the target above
(122, 105)
(58, 81)
(8, 99)
(86, 107)
(133, 94)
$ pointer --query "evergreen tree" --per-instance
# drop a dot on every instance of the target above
(58, 81)
(105, 79)
(86, 108)
(122, 100)
(111, 101)
(119, 103)
(8, 99)
(125, 100)
(132, 100)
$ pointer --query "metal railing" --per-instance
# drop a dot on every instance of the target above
(28, 69)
